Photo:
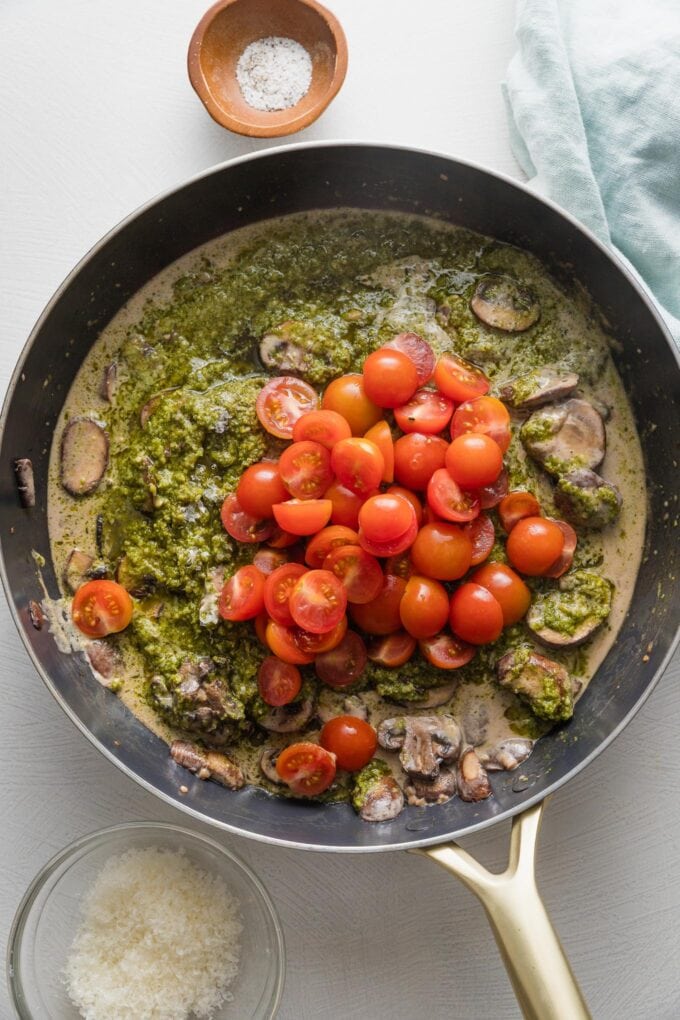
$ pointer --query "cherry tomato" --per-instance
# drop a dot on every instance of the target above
(424, 607)
(485, 415)
(281, 641)
(259, 487)
(346, 505)
(325, 427)
(261, 622)
(534, 545)
(347, 396)
(507, 588)
(417, 457)
(443, 551)
(427, 411)
(305, 469)
(343, 664)
(381, 616)
(382, 437)
(318, 601)
(474, 460)
(390, 378)
(101, 607)
(326, 540)
(400, 565)
(358, 465)
(446, 651)
(276, 591)
(516, 505)
(418, 350)
(280, 539)
(240, 525)
(475, 616)
(278, 682)
(394, 546)
(358, 571)
(458, 379)
(242, 597)
(281, 402)
(267, 559)
(306, 768)
(490, 495)
(315, 644)
(566, 557)
(303, 516)
(351, 740)
(385, 517)
(399, 490)
(391, 650)
(482, 535)
(449, 501)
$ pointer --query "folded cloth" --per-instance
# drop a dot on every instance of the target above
(593, 99)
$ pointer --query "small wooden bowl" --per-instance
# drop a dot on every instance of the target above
(229, 26)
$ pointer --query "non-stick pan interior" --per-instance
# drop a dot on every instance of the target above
(273, 184)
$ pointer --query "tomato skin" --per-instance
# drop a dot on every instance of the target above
(400, 565)
(427, 412)
(281, 402)
(303, 516)
(325, 541)
(386, 517)
(392, 650)
(565, 559)
(315, 644)
(259, 487)
(305, 469)
(267, 559)
(306, 768)
(280, 539)
(482, 535)
(281, 642)
(382, 437)
(474, 460)
(491, 495)
(344, 664)
(534, 545)
(240, 525)
(261, 622)
(486, 415)
(442, 551)
(475, 616)
(390, 377)
(346, 505)
(459, 379)
(318, 601)
(507, 588)
(351, 740)
(276, 591)
(418, 350)
(416, 458)
(399, 490)
(449, 501)
(278, 682)
(359, 572)
(347, 396)
(358, 465)
(394, 546)
(325, 427)
(381, 616)
(242, 597)
(101, 607)
(516, 505)
(424, 607)
(445, 651)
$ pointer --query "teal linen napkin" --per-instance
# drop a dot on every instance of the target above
(593, 97)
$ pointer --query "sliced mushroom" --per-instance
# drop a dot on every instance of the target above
(153, 404)
(288, 718)
(435, 697)
(475, 723)
(432, 791)
(201, 702)
(84, 456)
(107, 386)
(207, 764)
(280, 353)
(376, 795)
(23, 471)
(267, 763)
(507, 755)
(565, 436)
(505, 304)
(76, 569)
(569, 615)
(424, 741)
(139, 586)
(544, 684)
(586, 499)
(104, 658)
(542, 386)
(473, 782)
(36, 615)
(331, 704)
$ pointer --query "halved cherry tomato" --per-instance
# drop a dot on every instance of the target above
(394, 546)
(534, 545)
(305, 469)
(482, 535)
(346, 505)
(325, 427)
(343, 664)
(318, 601)
(281, 402)
(443, 551)
(400, 565)
(101, 607)
(475, 616)
(424, 607)
(242, 597)
(390, 378)
(381, 616)
(417, 457)
(261, 622)
(449, 501)
(327, 539)
(351, 740)
(486, 415)
(418, 350)
(306, 768)
(507, 588)
(399, 490)
(474, 460)
(347, 396)
(459, 379)
(280, 539)
(566, 557)
(358, 572)
(267, 559)
(259, 487)
(315, 644)
(386, 517)
(516, 505)
(446, 651)
(281, 641)
(490, 495)
(278, 682)
(382, 437)
(358, 465)
(427, 411)
(240, 525)
(276, 592)
(391, 650)
(303, 516)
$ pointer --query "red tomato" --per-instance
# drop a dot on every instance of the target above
(280, 539)
(491, 495)
(534, 545)
(446, 652)
(306, 768)
(427, 411)
(566, 557)
(474, 460)
(485, 415)
(315, 644)
(325, 427)
(242, 597)
(101, 607)
(399, 490)
(319, 547)
(482, 535)
(417, 457)
(259, 487)
(475, 616)
(267, 559)
(346, 505)
(418, 350)
(507, 588)
(343, 664)
(278, 682)
(385, 517)
(318, 601)
(281, 402)
(382, 437)
(400, 565)
(358, 465)
(261, 622)
(351, 740)
(394, 546)
(424, 607)
(449, 501)
(303, 516)
(240, 525)
(306, 470)
(392, 650)
(516, 505)
(281, 641)
(390, 378)
(443, 551)
(458, 379)
(347, 396)
(276, 592)
(381, 616)
(358, 571)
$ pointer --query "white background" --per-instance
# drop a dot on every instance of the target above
(97, 116)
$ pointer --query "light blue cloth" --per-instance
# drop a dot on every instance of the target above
(593, 96)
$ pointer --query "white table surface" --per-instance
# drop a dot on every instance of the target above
(97, 116)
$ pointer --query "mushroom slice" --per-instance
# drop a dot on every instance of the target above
(278, 352)
(288, 718)
(542, 386)
(503, 303)
(569, 615)
(84, 456)
(107, 387)
(376, 795)
(586, 499)
(139, 586)
(475, 722)
(23, 471)
(103, 657)
(207, 764)
(473, 782)
(267, 764)
(565, 436)
(76, 569)
(544, 684)
(424, 741)
(331, 705)
(435, 697)
(507, 755)
(432, 791)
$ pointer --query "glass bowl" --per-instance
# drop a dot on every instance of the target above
(49, 914)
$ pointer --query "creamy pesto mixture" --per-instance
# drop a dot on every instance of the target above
(186, 348)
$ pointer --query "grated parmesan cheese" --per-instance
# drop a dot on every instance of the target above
(159, 940)
(274, 73)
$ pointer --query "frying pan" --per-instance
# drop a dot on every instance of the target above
(288, 180)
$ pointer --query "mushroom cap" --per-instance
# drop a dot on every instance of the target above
(504, 303)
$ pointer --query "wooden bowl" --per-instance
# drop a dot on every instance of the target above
(229, 26)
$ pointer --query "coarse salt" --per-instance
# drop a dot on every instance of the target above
(274, 73)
